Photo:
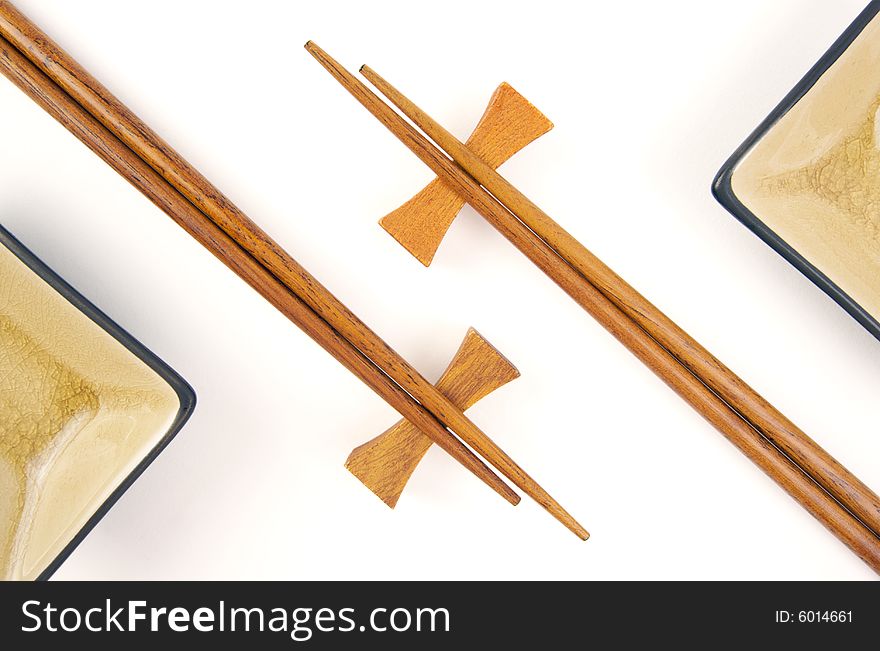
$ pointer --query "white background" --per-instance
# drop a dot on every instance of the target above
(648, 99)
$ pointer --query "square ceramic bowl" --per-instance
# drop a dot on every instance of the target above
(84, 409)
(807, 180)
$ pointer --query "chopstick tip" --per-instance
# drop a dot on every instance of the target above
(575, 527)
(320, 55)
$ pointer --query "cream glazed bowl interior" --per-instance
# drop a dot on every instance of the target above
(84, 409)
(807, 180)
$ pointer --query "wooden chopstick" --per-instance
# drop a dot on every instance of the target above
(806, 453)
(101, 104)
(82, 125)
(816, 462)
(761, 451)
(126, 126)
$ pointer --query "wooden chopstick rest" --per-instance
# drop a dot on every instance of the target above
(385, 463)
(509, 123)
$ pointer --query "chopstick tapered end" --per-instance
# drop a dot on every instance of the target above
(565, 518)
(315, 50)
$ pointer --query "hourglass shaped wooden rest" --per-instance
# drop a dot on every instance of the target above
(510, 123)
(386, 463)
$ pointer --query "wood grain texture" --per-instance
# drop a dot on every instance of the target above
(509, 123)
(815, 461)
(385, 463)
(843, 524)
(96, 137)
(487, 448)
(61, 68)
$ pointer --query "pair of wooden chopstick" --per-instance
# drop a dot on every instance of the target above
(813, 477)
(62, 87)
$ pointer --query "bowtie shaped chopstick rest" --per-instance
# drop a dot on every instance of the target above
(509, 124)
(385, 463)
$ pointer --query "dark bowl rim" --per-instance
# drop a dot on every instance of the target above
(723, 191)
(185, 393)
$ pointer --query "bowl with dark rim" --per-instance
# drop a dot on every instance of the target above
(807, 179)
(84, 410)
